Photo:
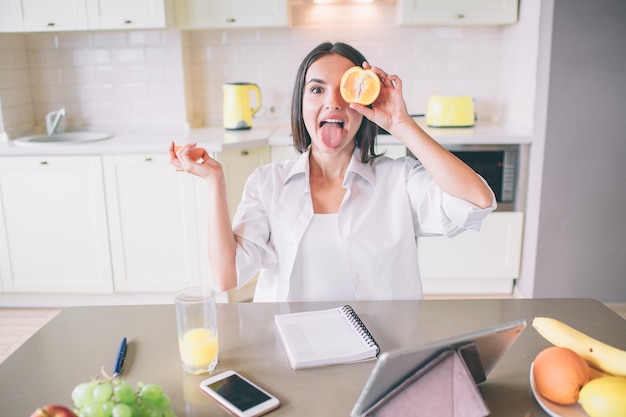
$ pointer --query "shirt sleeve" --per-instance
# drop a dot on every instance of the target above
(252, 231)
(437, 212)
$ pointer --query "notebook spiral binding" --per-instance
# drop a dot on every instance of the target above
(356, 321)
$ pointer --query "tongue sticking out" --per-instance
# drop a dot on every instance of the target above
(331, 134)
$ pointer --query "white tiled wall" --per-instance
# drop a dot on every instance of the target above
(15, 91)
(171, 77)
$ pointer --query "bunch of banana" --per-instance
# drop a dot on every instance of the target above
(605, 394)
(599, 355)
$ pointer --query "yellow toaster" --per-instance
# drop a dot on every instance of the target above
(450, 111)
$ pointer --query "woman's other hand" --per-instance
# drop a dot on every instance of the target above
(194, 160)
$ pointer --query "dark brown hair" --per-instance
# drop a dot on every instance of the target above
(365, 136)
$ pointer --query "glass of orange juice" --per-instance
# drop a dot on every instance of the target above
(196, 319)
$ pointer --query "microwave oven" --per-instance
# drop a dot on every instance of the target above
(499, 165)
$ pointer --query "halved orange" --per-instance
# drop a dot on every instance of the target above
(360, 86)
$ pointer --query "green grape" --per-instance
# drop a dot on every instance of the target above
(122, 410)
(162, 402)
(139, 410)
(125, 393)
(102, 392)
(153, 412)
(93, 410)
(108, 407)
(117, 398)
(83, 394)
(150, 392)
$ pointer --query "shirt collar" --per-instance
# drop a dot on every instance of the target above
(365, 170)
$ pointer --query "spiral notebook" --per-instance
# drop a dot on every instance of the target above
(325, 337)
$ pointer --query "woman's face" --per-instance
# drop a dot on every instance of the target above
(331, 124)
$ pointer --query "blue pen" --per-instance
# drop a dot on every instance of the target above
(121, 356)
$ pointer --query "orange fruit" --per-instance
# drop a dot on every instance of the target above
(360, 86)
(559, 374)
(195, 153)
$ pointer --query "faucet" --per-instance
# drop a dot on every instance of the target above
(52, 121)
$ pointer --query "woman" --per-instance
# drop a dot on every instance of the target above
(339, 222)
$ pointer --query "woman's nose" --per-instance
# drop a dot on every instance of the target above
(334, 100)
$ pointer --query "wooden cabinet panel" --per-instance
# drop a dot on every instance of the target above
(152, 224)
(73, 15)
(55, 225)
(457, 12)
(481, 262)
(201, 14)
(11, 16)
(123, 14)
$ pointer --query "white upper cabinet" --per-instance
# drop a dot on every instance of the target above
(135, 14)
(202, 14)
(11, 16)
(54, 16)
(69, 15)
(457, 12)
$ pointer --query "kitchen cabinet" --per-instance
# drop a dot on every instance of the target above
(457, 12)
(485, 262)
(237, 165)
(123, 14)
(11, 16)
(281, 153)
(202, 14)
(53, 216)
(54, 16)
(152, 224)
(73, 15)
(393, 151)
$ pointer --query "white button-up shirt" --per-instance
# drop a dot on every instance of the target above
(388, 203)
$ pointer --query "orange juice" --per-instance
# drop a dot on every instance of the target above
(198, 348)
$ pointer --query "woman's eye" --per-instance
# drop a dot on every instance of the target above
(316, 90)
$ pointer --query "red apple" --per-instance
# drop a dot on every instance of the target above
(53, 410)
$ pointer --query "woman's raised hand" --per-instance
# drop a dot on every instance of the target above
(389, 109)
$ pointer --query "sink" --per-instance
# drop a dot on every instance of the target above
(64, 138)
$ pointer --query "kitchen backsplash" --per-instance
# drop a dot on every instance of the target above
(174, 78)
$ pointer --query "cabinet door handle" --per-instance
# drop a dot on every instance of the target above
(230, 20)
(459, 16)
(50, 24)
(43, 162)
(245, 152)
(128, 22)
(148, 159)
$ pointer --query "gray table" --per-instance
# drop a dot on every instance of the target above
(78, 341)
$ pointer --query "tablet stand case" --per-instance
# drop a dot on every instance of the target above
(444, 387)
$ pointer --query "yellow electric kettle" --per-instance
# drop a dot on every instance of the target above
(237, 110)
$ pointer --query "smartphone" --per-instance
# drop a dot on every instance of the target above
(238, 395)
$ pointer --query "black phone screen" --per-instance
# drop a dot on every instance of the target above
(239, 392)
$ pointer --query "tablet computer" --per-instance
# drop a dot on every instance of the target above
(393, 367)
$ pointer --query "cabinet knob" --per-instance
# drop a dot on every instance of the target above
(128, 22)
(230, 20)
(43, 162)
(148, 159)
(459, 16)
(50, 24)
(245, 152)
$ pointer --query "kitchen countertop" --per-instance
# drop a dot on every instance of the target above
(216, 139)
